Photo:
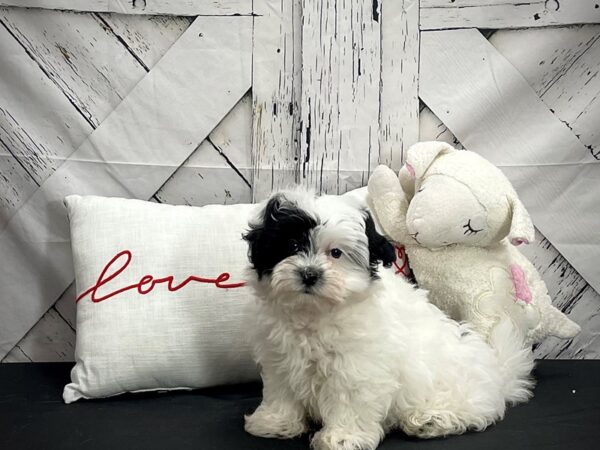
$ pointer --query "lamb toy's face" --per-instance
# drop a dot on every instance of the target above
(458, 197)
(444, 211)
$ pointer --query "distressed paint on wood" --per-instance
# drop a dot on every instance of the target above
(38, 125)
(398, 96)
(431, 128)
(67, 307)
(57, 327)
(133, 164)
(50, 340)
(56, 54)
(37, 122)
(16, 185)
(444, 14)
(212, 174)
(564, 74)
(543, 56)
(220, 169)
(340, 94)
(169, 7)
(79, 54)
(571, 294)
(147, 37)
(568, 290)
(570, 86)
(276, 95)
(513, 132)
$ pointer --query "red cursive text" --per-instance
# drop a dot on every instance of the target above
(147, 282)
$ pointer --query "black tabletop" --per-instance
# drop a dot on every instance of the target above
(564, 414)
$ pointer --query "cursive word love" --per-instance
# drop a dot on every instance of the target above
(147, 283)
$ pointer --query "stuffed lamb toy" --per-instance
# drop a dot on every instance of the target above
(460, 219)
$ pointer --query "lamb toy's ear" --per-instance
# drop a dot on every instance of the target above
(418, 159)
(521, 226)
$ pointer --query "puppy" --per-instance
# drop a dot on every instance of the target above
(345, 343)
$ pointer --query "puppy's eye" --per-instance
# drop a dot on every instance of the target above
(294, 246)
(335, 253)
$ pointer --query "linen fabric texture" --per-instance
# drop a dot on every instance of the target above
(159, 335)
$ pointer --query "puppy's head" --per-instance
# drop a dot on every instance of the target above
(310, 251)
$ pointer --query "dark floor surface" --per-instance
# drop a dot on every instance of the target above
(564, 415)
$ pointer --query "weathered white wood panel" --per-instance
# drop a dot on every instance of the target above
(66, 306)
(38, 124)
(220, 169)
(173, 108)
(63, 73)
(398, 96)
(571, 294)
(50, 340)
(79, 54)
(276, 93)
(147, 37)
(212, 174)
(517, 133)
(442, 14)
(431, 128)
(340, 94)
(562, 66)
(170, 7)
(16, 185)
(543, 56)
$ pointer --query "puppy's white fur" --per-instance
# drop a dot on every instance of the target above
(363, 355)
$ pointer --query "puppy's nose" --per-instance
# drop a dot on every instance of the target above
(310, 276)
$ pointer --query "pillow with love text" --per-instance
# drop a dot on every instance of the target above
(161, 301)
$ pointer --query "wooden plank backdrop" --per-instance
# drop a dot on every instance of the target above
(335, 91)
(517, 133)
(124, 157)
(170, 7)
(443, 14)
(276, 94)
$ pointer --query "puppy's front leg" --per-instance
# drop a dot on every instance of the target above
(279, 415)
(352, 416)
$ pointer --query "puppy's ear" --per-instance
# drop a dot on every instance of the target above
(380, 249)
(279, 224)
(258, 242)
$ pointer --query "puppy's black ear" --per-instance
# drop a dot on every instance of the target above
(282, 230)
(258, 247)
(380, 249)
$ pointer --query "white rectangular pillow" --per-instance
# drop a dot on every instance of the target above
(157, 310)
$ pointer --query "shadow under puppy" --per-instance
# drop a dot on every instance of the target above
(355, 347)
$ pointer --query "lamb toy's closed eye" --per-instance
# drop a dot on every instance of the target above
(460, 219)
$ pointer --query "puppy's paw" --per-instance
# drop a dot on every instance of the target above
(428, 426)
(341, 439)
(275, 423)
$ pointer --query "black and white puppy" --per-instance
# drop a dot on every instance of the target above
(353, 346)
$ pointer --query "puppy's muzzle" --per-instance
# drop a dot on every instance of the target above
(310, 276)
